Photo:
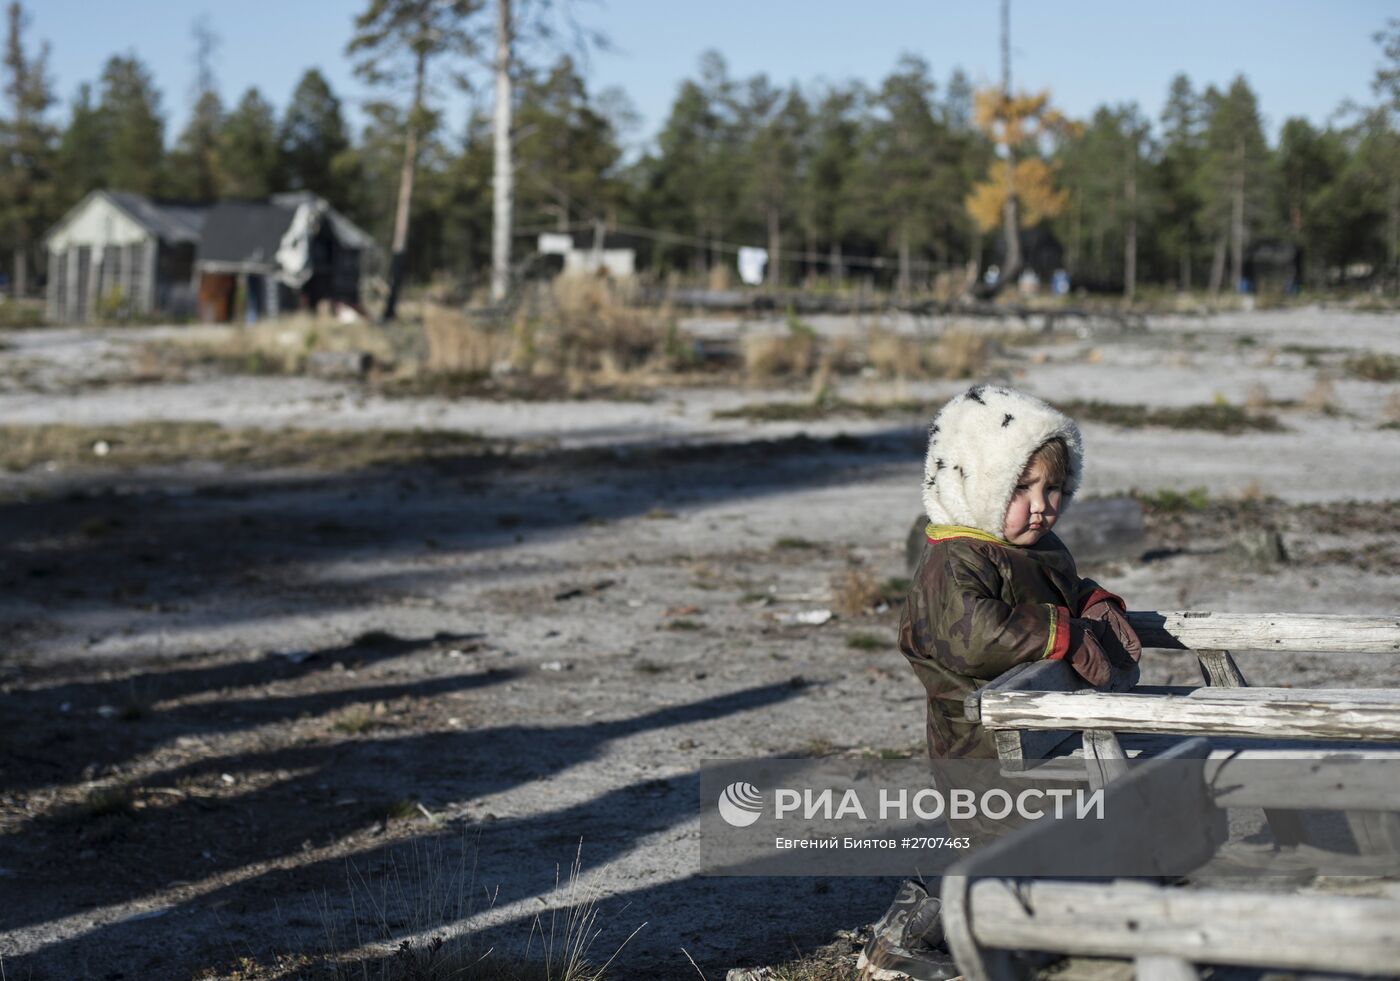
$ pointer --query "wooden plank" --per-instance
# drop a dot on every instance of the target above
(1162, 818)
(1307, 932)
(1219, 669)
(1320, 633)
(1336, 784)
(1104, 759)
(1031, 676)
(1323, 696)
(1155, 967)
(1339, 714)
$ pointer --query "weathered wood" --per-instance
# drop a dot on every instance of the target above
(1336, 714)
(1389, 696)
(1319, 633)
(1159, 819)
(1155, 967)
(1278, 783)
(1219, 669)
(1334, 933)
(1104, 759)
(976, 962)
(1162, 818)
(1031, 676)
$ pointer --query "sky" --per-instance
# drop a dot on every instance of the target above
(1302, 58)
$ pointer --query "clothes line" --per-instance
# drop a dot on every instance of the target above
(731, 248)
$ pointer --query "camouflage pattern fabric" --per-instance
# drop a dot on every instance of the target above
(976, 608)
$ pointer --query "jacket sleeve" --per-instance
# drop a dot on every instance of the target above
(1090, 592)
(976, 633)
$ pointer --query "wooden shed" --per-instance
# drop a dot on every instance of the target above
(291, 252)
(117, 253)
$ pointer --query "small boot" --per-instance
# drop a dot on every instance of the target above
(906, 944)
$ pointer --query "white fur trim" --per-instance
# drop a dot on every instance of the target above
(978, 446)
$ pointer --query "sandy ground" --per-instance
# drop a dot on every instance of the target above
(539, 649)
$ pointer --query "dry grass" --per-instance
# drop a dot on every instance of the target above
(1258, 398)
(408, 923)
(457, 346)
(1218, 416)
(1390, 412)
(855, 591)
(280, 346)
(1373, 366)
(171, 443)
(588, 327)
(961, 353)
(1322, 397)
(792, 354)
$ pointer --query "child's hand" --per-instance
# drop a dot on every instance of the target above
(1108, 612)
(1097, 657)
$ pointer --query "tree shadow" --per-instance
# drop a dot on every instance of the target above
(321, 794)
(115, 554)
(39, 752)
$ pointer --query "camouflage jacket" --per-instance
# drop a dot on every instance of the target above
(978, 606)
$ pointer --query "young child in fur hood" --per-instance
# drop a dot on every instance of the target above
(994, 588)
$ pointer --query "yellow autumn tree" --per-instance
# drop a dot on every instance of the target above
(1019, 184)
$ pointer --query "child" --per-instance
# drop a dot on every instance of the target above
(994, 588)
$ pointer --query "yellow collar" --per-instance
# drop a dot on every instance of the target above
(936, 533)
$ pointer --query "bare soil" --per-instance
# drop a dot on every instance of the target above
(246, 668)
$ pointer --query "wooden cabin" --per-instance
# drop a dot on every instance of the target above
(261, 258)
(117, 254)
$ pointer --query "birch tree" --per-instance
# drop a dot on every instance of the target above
(395, 41)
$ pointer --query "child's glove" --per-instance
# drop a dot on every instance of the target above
(1097, 657)
(1109, 612)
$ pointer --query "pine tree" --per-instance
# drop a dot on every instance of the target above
(134, 129)
(28, 191)
(566, 152)
(395, 41)
(82, 150)
(195, 169)
(314, 141)
(773, 121)
(828, 207)
(250, 161)
(1179, 176)
(1236, 188)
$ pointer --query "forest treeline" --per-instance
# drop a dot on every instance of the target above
(899, 181)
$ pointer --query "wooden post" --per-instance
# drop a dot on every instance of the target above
(148, 273)
(72, 302)
(1219, 670)
(1104, 758)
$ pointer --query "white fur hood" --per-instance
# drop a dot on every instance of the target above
(978, 446)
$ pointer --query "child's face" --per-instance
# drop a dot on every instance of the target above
(1035, 505)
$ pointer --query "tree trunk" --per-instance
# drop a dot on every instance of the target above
(837, 273)
(775, 248)
(1130, 238)
(503, 178)
(1011, 232)
(1237, 219)
(405, 205)
(1217, 265)
(1185, 274)
(1392, 229)
(904, 276)
(20, 286)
